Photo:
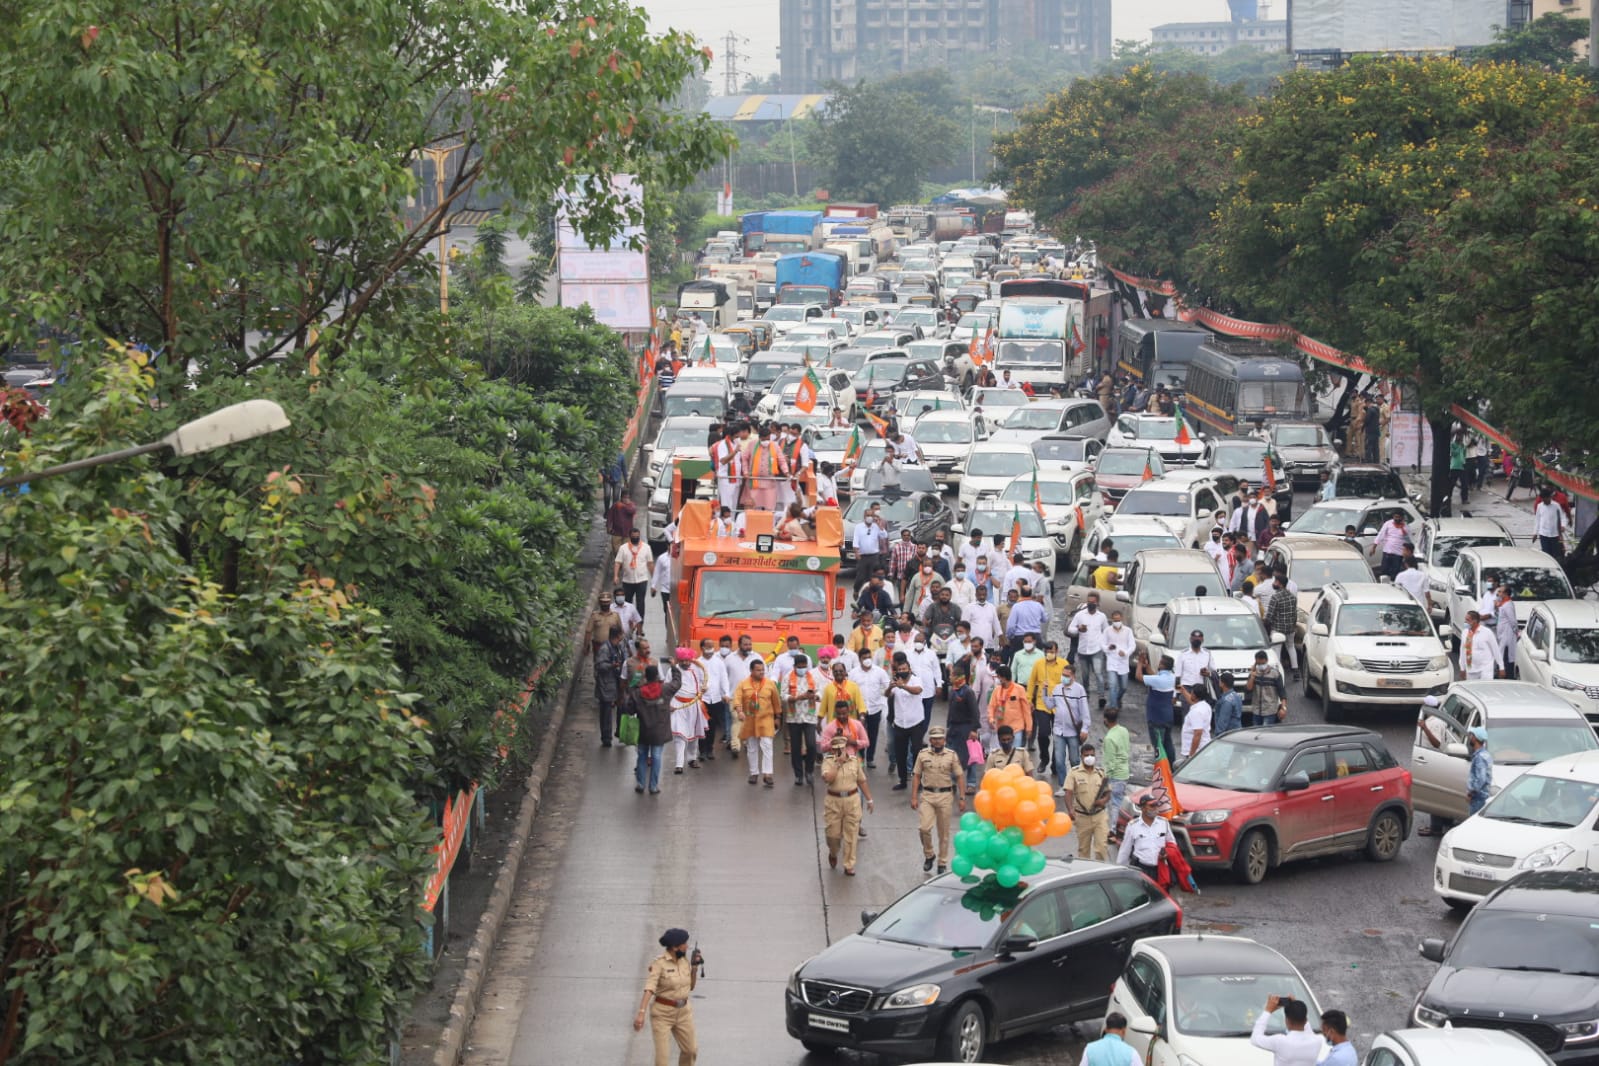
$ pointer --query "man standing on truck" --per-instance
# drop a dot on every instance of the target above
(768, 471)
(728, 463)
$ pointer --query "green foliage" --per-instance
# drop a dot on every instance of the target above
(878, 140)
(203, 172)
(207, 849)
(1255, 70)
(672, 219)
(1546, 41)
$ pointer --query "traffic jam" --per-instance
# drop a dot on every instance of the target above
(1322, 678)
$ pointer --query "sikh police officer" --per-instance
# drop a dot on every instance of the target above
(845, 778)
(667, 986)
(938, 785)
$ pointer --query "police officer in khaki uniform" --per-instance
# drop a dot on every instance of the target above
(1088, 793)
(936, 779)
(845, 778)
(666, 989)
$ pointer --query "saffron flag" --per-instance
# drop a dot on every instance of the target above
(805, 395)
(1015, 530)
(1165, 788)
(1149, 471)
(880, 423)
(1270, 462)
(1078, 347)
(852, 450)
(1038, 500)
(1182, 427)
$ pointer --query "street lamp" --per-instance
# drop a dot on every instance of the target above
(439, 157)
(232, 424)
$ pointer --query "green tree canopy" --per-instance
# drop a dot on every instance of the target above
(1546, 41)
(879, 140)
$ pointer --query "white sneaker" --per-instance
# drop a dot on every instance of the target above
(1061, 791)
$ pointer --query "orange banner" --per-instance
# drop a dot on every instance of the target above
(457, 814)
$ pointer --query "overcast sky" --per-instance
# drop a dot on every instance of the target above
(756, 21)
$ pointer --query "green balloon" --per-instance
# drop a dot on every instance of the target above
(961, 865)
(1019, 856)
(966, 844)
(1035, 863)
(1008, 876)
(1013, 835)
(998, 850)
(971, 820)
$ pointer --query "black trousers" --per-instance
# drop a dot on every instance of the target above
(873, 723)
(717, 720)
(907, 745)
(802, 754)
(636, 592)
(1043, 726)
(1163, 734)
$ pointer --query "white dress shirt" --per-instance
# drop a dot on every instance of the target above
(1120, 645)
(984, 621)
(873, 682)
(1018, 573)
(738, 669)
(1482, 650)
(969, 555)
(869, 539)
(1195, 723)
(635, 562)
(661, 581)
(1090, 641)
(716, 689)
(908, 709)
(961, 593)
(1296, 1047)
(1547, 519)
(928, 672)
(1414, 582)
(1189, 663)
(1143, 843)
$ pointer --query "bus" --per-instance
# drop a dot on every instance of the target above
(1236, 386)
(1156, 351)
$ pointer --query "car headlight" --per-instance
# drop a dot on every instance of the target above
(1438, 662)
(1207, 817)
(1579, 1032)
(1140, 631)
(1565, 683)
(793, 980)
(1428, 1017)
(1040, 553)
(1547, 857)
(1347, 662)
(914, 996)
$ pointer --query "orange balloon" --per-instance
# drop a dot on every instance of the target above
(1025, 788)
(1005, 800)
(1034, 835)
(983, 803)
(1002, 819)
(1014, 770)
(1026, 813)
(1046, 804)
(1059, 824)
(992, 779)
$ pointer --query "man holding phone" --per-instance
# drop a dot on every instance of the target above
(1297, 1045)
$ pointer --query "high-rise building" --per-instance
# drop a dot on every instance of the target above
(843, 40)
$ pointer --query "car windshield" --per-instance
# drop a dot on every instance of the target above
(1577, 645)
(1033, 416)
(954, 918)
(1531, 582)
(762, 595)
(873, 343)
(1383, 620)
(1148, 501)
(1128, 546)
(675, 437)
(1225, 1005)
(1222, 632)
(1000, 464)
(882, 372)
(1000, 521)
(1272, 397)
(1494, 939)
(785, 313)
(1370, 485)
(925, 317)
(1300, 436)
(1052, 493)
(1233, 765)
(1313, 575)
(830, 439)
(1048, 353)
(1129, 463)
(1445, 549)
(848, 359)
(930, 350)
(708, 405)
(999, 398)
(1326, 520)
(1157, 589)
(1151, 428)
(766, 372)
(974, 321)
(1238, 458)
(895, 512)
(1519, 742)
(1061, 451)
(944, 432)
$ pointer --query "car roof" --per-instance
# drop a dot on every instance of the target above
(1583, 613)
(960, 415)
(1141, 416)
(1175, 560)
(1209, 605)
(1065, 477)
(686, 422)
(1575, 766)
(1289, 736)
(1370, 592)
(1465, 1047)
(1129, 525)
(1002, 446)
(1517, 699)
(1184, 476)
(1569, 892)
(1298, 425)
(1207, 954)
(1500, 555)
(1360, 503)
(1466, 527)
(1318, 547)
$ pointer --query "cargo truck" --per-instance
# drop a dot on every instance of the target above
(793, 231)
(811, 278)
(752, 228)
(1051, 332)
(711, 300)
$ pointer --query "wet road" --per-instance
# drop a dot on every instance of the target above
(744, 869)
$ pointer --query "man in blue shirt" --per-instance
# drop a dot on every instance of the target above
(1027, 617)
(1229, 707)
(1335, 1030)
(1480, 777)
(1112, 1048)
(1161, 686)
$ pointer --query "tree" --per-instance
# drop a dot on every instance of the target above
(208, 852)
(877, 141)
(1547, 41)
(1337, 174)
(223, 180)
(1255, 70)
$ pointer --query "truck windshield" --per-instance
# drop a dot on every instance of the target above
(1272, 397)
(766, 595)
(1032, 353)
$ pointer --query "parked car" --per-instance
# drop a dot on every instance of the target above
(1158, 432)
(1526, 959)
(949, 968)
(1304, 449)
(1559, 649)
(1071, 506)
(1314, 563)
(1042, 417)
(1526, 725)
(989, 468)
(1232, 628)
(1372, 643)
(1038, 545)
(946, 439)
(1244, 458)
(1542, 820)
(1193, 999)
(1067, 452)
(1156, 576)
(1329, 519)
(1369, 481)
(1189, 503)
(1259, 797)
(1118, 470)
(1533, 576)
(1453, 1047)
(925, 513)
(1438, 545)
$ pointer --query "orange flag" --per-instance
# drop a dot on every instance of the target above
(805, 395)
(1015, 530)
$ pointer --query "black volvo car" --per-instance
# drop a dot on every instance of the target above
(951, 966)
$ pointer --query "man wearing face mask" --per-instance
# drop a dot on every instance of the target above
(870, 542)
(738, 667)
(874, 682)
(963, 716)
(713, 661)
(844, 712)
(1091, 629)
(910, 717)
(1027, 656)
(1070, 726)
(983, 619)
(1195, 668)
(672, 977)
(1009, 752)
(632, 567)
(1088, 793)
(627, 615)
(1120, 647)
(1028, 619)
(961, 591)
(875, 598)
(936, 782)
(1145, 839)
(1010, 707)
(1159, 704)
(1214, 546)
(1042, 681)
(929, 671)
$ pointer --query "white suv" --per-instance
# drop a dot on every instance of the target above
(1372, 643)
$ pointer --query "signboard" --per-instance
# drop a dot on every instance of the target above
(1384, 26)
(614, 280)
(603, 266)
(1045, 321)
(620, 306)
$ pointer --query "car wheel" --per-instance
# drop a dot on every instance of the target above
(1330, 710)
(1387, 833)
(1253, 858)
(965, 1034)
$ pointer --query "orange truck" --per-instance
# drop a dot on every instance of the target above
(752, 582)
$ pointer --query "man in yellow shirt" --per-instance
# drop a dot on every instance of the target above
(757, 706)
(865, 637)
(1108, 575)
(841, 690)
(1041, 682)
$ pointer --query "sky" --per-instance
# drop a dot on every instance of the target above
(756, 22)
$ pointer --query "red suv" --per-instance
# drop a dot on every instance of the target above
(1258, 797)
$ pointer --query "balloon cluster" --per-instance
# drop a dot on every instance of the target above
(1012, 814)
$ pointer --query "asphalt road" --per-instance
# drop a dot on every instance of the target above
(744, 869)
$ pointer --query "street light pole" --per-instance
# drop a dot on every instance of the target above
(439, 157)
(232, 424)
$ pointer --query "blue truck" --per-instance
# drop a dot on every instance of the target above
(811, 278)
(793, 231)
(752, 225)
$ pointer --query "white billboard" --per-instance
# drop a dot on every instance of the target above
(1386, 26)
(614, 280)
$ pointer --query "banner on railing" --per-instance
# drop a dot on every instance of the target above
(457, 814)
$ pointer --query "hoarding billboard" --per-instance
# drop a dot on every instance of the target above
(613, 280)
(1384, 26)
